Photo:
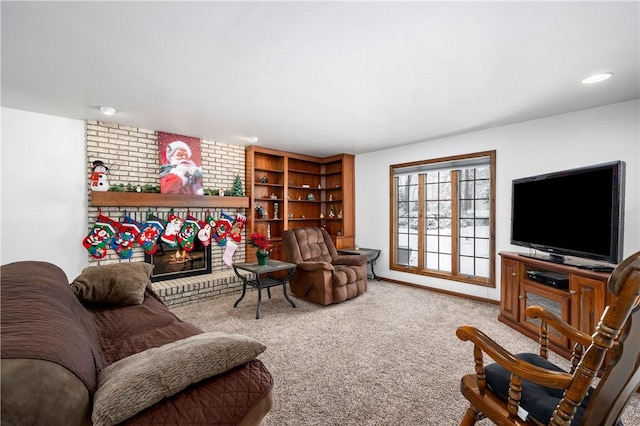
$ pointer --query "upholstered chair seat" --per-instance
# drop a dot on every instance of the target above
(322, 275)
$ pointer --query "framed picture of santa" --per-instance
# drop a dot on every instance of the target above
(180, 164)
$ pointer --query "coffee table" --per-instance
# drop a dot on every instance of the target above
(372, 256)
(262, 278)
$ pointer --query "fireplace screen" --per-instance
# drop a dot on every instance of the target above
(175, 262)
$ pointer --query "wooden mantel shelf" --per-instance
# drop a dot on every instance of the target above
(146, 199)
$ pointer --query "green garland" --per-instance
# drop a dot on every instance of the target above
(236, 191)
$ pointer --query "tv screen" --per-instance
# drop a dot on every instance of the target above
(576, 212)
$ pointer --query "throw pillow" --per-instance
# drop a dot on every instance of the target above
(116, 284)
(134, 383)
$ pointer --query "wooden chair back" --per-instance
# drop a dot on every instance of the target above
(617, 332)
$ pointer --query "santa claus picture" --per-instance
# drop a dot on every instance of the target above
(180, 164)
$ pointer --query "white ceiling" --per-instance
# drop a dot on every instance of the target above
(317, 77)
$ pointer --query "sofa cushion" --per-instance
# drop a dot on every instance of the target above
(248, 397)
(115, 284)
(127, 330)
(132, 384)
(539, 401)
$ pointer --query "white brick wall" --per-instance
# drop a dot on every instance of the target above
(131, 154)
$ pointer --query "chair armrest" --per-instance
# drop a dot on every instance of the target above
(559, 324)
(350, 259)
(525, 370)
(314, 266)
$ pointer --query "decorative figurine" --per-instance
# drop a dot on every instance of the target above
(260, 212)
(311, 197)
(332, 213)
(275, 210)
(340, 214)
(264, 179)
(99, 180)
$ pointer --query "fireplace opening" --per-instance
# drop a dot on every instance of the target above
(175, 262)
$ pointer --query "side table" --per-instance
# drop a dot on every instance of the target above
(372, 256)
(262, 279)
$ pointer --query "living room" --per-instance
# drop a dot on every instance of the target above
(45, 180)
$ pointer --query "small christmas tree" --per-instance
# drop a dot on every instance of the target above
(237, 191)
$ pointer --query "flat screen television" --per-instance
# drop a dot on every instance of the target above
(577, 212)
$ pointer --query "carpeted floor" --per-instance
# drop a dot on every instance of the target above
(388, 357)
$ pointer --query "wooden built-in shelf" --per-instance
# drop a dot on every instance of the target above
(147, 199)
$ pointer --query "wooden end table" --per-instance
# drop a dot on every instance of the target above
(262, 279)
(372, 256)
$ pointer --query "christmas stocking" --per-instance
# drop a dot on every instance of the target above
(123, 241)
(96, 241)
(223, 226)
(236, 228)
(188, 233)
(170, 235)
(151, 231)
(227, 257)
(204, 235)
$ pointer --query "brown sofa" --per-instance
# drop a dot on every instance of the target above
(63, 360)
(322, 275)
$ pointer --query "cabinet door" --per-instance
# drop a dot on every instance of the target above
(587, 302)
(552, 300)
(510, 285)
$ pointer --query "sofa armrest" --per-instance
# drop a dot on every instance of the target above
(314, 266)
(350, 259)
(42, 392)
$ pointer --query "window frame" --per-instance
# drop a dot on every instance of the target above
(456, 161)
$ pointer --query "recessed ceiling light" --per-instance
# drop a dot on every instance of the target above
(107, 110)
(597, 78)
(253, 139)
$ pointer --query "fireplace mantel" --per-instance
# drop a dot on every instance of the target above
(146, 199)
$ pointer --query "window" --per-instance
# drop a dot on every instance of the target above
(443, 218)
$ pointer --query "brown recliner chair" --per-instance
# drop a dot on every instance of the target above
(322, 275)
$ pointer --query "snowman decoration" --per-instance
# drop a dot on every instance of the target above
(99, 180)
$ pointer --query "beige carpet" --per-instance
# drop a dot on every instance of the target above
(388, 357)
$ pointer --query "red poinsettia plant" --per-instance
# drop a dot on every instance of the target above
(261, 242)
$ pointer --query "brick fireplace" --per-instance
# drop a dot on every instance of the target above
(131, 154)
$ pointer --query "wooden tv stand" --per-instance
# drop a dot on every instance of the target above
(581, 304)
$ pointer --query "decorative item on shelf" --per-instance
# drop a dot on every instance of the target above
(138, 188)
(339, 233)
(304, 185)
(180, 159)
(332, 213)
(268, 231)
(275, 210)
(273, 196)
(340, 214)
(221, 192)
(260, 212)
(263, 246)
(237, 190)
(99, 180)
(319, 186)
(321, 215)
(330, 197)
(311, 197)
(299, 198)
(264, 179)
(290, 215)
